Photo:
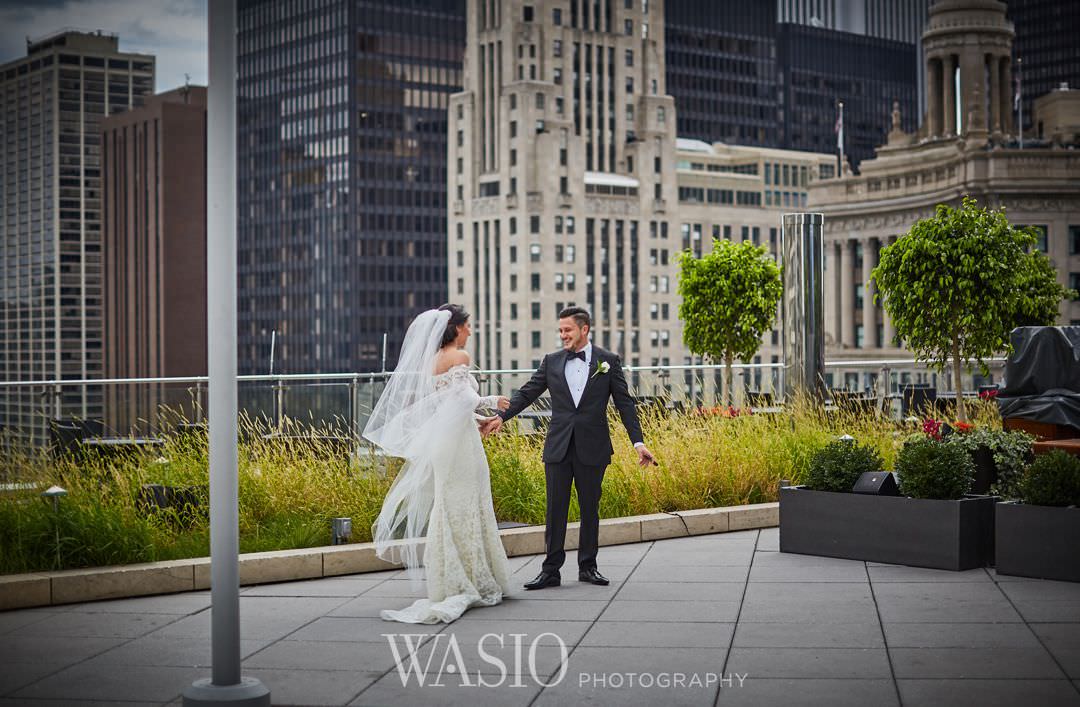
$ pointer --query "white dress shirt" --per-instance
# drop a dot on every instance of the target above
(577, 374)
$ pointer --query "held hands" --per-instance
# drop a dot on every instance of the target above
(503, 402)
(490, 425)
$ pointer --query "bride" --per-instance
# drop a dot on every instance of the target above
(428, 415)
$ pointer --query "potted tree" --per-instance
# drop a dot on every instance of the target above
(958, 282)
(932, 523)
(729, 301)
(1040, 536)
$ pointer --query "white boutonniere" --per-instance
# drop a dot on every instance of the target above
(602, 367)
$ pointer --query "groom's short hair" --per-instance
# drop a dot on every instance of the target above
(579, 314)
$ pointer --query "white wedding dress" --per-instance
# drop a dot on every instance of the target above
(463, 556)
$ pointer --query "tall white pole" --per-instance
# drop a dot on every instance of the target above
(225, 686)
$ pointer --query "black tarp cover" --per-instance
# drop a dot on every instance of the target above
(1042, 376)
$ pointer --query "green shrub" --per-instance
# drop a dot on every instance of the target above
(927, 468)
(838, 465)
(1011, 451)
(1053, 479)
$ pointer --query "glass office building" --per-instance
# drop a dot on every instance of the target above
(342, 176)
(52, 102)
(1047, 33)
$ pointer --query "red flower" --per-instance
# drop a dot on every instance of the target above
(932, 428)
(963, 427)
(988, 394)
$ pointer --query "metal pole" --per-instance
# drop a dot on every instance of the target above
(803, 313)
(226, 685)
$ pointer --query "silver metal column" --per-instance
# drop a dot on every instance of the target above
(803, 314)
(225, 686)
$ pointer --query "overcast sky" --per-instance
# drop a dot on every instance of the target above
(172, 30)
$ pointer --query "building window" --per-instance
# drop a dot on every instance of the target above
(534, 252)
(460, 138)
(513, 101)
(535, 311)
(1074, 240)
(513, 158)
(558, 281)
(557, 76)
(461, 286)
(513, 283)
(628, 28)
(562, 156)
(461, 231)
(513, 185)
(513, 225)
(559, 103)
(661, 115)
(629, 112)
(513, 254)
(629, 85)
(656, 164)
(513, 339)
(859, 336)
(629, 57)
(534, 224)
(564, 186)
(570, 225)
(570, 256)
(539, 101)
(570, 281)
(536, 339)
(460, 259)
(556, 16)
(629, 163)
(528, 15)
(513, 128)
(534, 282)
(513, 310)
(556, 48)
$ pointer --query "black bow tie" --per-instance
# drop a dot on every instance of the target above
(575, 354)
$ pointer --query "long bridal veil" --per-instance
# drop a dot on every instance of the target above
(409, 421)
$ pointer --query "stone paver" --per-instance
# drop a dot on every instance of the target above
(712, 620)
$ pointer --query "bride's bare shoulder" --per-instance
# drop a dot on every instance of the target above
(447, 359)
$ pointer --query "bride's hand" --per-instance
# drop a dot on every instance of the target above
(504, 402)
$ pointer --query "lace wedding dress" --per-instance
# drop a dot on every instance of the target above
(464, 559)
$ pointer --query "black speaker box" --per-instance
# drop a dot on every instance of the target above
(876, 483)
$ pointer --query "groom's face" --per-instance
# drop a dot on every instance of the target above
(573, 336)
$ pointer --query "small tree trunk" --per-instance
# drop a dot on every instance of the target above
(730, 394)
(961, 409)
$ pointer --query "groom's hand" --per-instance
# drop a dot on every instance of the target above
(491, 426)
(645, 457)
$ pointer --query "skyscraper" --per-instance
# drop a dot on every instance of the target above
(771, 74)
(561, 162)
(1046, 42)
(342, 176)
(52, 102)
(154, 251)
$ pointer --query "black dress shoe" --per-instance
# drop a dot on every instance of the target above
(544, 579)
(592, 577)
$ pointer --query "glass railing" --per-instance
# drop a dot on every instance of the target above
(338, 405)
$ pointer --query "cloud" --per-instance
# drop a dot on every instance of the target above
(172, 30)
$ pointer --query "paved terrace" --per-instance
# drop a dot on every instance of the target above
(716, 619)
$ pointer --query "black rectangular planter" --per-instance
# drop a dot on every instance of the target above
(1038, 541)
(948, 535)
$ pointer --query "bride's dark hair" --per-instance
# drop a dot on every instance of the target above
(458, 316)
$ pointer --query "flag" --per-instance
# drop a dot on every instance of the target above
(1016, 93)
(839, 128)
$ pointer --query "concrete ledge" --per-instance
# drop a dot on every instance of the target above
(122, 581)
(68, 586)
(22, 590)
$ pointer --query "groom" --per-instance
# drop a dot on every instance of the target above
(581, 378)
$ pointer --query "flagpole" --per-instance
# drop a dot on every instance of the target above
(1020, 99)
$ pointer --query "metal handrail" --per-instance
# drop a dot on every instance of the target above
(380, 375)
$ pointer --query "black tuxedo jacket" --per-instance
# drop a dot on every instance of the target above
(585, 423)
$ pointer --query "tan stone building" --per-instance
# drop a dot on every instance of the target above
(567, 183)
(967, 146)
